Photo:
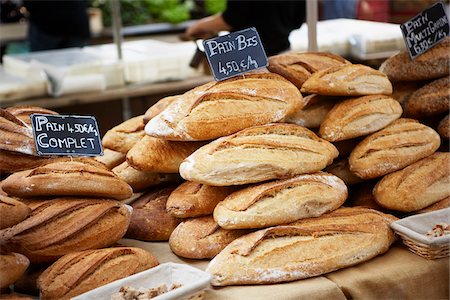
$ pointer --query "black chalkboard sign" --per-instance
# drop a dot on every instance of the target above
(425, 30)
(235, 53)
(66, 135)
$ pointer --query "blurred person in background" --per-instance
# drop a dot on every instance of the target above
(55, 24)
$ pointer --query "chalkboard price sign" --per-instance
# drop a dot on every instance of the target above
(66, 135)
(425, 30)
(235, 53)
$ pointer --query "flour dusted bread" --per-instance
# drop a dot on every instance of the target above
(15, 135)
(358, 117)
(313, 113)
(111, 158)
(12, 267)
(79, 272)
(444, 127)
(398, 145)
(298, 67)
(416, 186)
(23, 112)
(200, 238)
(67, 177)
(192, 199)
(221, 108)
(434, 63)
(156, 155)
(122, 137)
(157, 108)
(12, 211)
(348, 80)
(64, 225)
(303, 249)
(282, 201)
(257, 154)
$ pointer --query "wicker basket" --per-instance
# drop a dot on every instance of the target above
(424, 250)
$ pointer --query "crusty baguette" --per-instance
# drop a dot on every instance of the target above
(60, 226)
(416, 186)
(221, 108)
(79, 272)
(298, 67)
(12, 211)
(157, 108)
(432, 64)
(23, 112)
(341, 169)
(111, 158)
(313, 113)
(282, 201)
(67, 177)
(200, 238)
(123, 136)
(11, 161)
(348, 80)
(15, 135)
(150, 221)
(257, 154)
(359, 117)
(398, 145)
(444, 127)
(444, 203)
(192, 199)
(156, 155)
(307, 248)
(12, 267)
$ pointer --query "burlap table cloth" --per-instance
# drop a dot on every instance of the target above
(398, 274)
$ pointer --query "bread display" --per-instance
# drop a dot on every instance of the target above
(150, 221)
(157, 108)
(200, 238)
(156, 155)
(313, 113)
(303, 249)
(348, 80)
(341, 169)
(398, 145)
(434, 63)
(12, 266)
(257, 154)
(359, 117)
(111, 158)
(221, 108)
(15, 135)
(12, 211)
(282, 201)
(444, 127)
(431, 99)
(23, 112)
(416, 186)
(122, 137)
(60, 226)
(298, 67)
(192, 199)
(67, 177)
(79, 272)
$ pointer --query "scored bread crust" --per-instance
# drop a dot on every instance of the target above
(221, 108)
(398, 145)
(348, 80)
(15, 135)
(122, 137)
(257, 154)
(157, 108)
(11, 162)
(23, 112)
(281, 201)
(12, 211)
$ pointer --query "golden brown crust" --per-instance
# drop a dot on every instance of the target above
(348, 80)
(221, 108)
(400, 144)
(436, 206)
(402, 90)
(12, 266)
(111, 158)
(79, 272)
(64, 225)
(313, 113)
(12, 212)
(157, 108)
(123, 136)
(15, 135)
(341, 169)
(23, 112)
(444, 127)
(11, 162)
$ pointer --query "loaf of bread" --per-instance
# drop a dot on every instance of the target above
(436, 206)
(157, 108)
(221, 108)
(431, 99)
(359, 117)
(348, 80)
(12, 212)
(398, 145)
(12, 266)
(313, 113)
(150, 221)
(11, 162)
(257, 154)
(307, 248)
(111, 158)
(141, 180)
(298, 67)
(444, 127)
(14, 296)
(416, 186)
(192, 199)
(15, 135)
(200, 238)
(282, 201)
(156, 155)
(67, 177)
(404, 89)
(122, 137)
(341, 169)
(432, 64)
(64, 225)
(23, 112)
(79, 272)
